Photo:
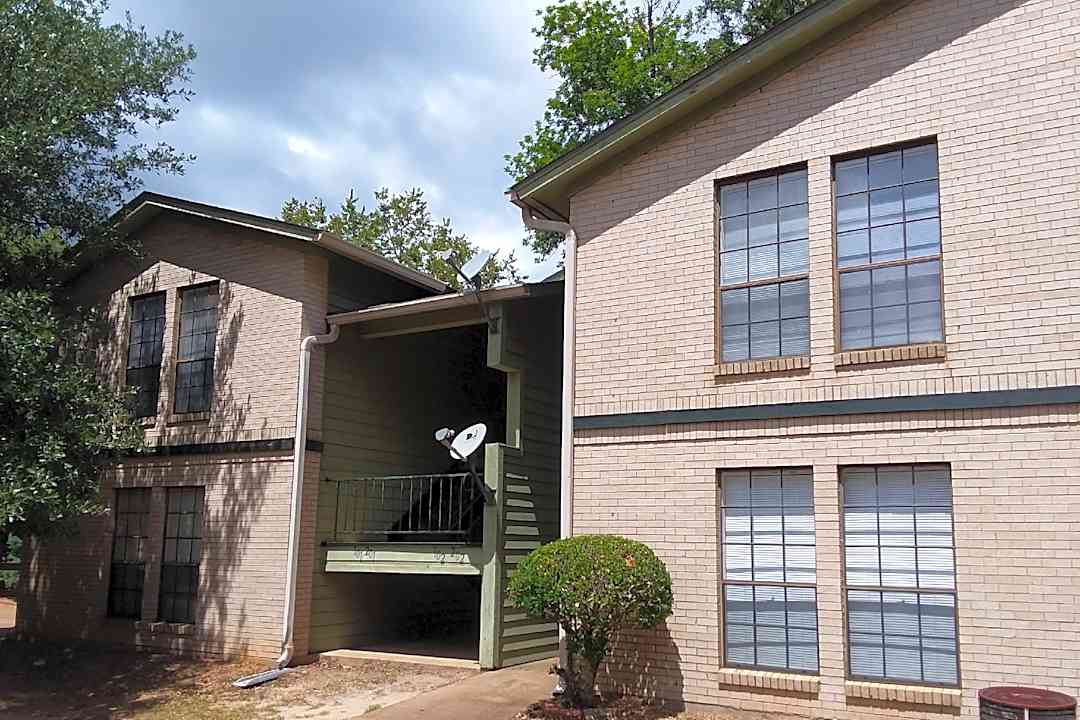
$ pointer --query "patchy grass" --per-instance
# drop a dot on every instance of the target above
(41, 681)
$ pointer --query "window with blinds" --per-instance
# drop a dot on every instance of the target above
(900, 573)
(145, 335)
(197, 340)
(888, 247)
(764, 264)
(131, 528)
(769, 569)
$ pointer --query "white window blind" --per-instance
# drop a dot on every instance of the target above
(769, 595)
(900, 573)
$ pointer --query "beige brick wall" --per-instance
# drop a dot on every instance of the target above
(242, 578)
(1016, 503)
(995, 81)
(273, 292)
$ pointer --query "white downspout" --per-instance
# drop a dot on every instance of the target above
(566, 490)
(299, 448)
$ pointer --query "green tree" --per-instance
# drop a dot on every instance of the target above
(613, 59)
(400, 227)
(74, 93)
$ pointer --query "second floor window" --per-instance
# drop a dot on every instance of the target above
(145, 334)
(195, 352)
(764, 291)
(888, 248)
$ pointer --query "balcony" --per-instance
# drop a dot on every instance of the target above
(420, 509)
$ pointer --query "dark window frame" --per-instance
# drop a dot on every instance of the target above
(774, 584)
(846, 588)
(721, 287)
(870, 265)
(180, 563)
(136, 376)
(129, 504)
(191, 363)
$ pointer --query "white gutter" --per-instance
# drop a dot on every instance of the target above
(566, 463)
(299, 448)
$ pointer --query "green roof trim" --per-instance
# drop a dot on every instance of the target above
(547, 191)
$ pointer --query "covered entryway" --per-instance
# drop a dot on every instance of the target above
(411, 557)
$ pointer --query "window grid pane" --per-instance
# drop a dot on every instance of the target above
(180, 558)
(767, 535)
(900, 571)
(145, 337)
(195, 352)
(887, 210)
(130, 531)
(763, 234)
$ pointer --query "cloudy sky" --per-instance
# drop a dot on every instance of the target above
(317, 97)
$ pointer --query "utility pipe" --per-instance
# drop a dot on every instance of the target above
(299, 448)
(566, 482)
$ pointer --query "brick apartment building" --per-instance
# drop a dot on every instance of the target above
(825, 302)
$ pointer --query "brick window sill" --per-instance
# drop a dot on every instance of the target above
(907, 694)
(165, 628)
(755, 367)
(185, 418)
(869, 356)
(148, 422)
(775, 681)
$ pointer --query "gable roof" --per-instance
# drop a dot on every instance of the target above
(547, 191)
(148, 205)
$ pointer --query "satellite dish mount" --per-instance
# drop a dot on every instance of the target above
(462, 445)
(470, 273)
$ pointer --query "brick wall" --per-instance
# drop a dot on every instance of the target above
(1016, 502)
(272, 292)
(995, 82)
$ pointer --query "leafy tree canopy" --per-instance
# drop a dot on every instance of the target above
(400, 227)
(612, 59)
(74, 92)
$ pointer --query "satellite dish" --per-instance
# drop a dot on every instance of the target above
(467, 441)
(472, 268)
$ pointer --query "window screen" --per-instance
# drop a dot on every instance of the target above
(195, 354)
(130, 531)
(769, 572)
(900, 573)
(888, 248)
(180, 560)
(764, 293)
(145, 334)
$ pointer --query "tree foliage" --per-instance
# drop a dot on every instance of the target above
(74, 92)
(399, 227)
(613, 59)
(593, 586)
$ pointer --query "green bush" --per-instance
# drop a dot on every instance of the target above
(593, 586)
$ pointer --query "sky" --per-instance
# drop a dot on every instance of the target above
(314, 98)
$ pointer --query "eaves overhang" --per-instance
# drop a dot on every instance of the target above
(547, 191)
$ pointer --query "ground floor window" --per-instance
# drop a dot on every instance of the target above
(131, 513)
(180, 559)
(769, 569)
(900, 573)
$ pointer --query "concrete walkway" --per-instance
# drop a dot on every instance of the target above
(495, 695)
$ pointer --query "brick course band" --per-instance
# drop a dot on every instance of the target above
(914, 403)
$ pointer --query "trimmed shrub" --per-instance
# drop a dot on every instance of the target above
(593, 586)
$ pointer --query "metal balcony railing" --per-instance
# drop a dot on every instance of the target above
(409, 508)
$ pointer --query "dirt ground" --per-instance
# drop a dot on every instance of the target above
(39, 681)
(629, 709)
